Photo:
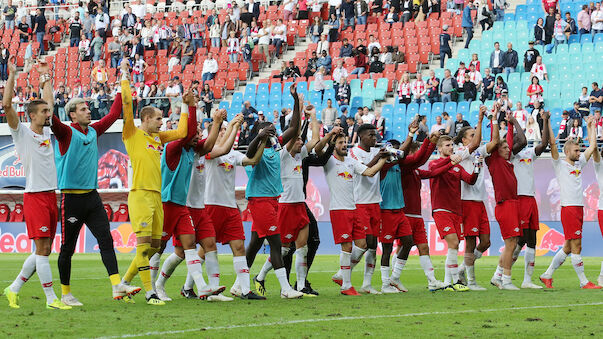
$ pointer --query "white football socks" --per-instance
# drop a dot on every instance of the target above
(301, 266)
(189, 282)
(498, 273)
(452, 264)
(154, 263)
(470, 274)
(45, 275)
(369, 266)
(385, 275)
(345, 268)
(268, 265)
(529, 259)
(397, 270)
(213, 268)
(579, 268)
(427, 266)
(558, 260)
(27, 270)
(281, 275)
(242, 271)
(193, 263)
(478, 254)
(357, 254)
(169, 265)
(506, 279)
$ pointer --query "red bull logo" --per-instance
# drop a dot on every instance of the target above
(548, 239)
(226, 166)
(157, 148)
(527, 161)
(124, 239)
(297, 169)
(345, 175)
(576, 172)
(201, 168)
(45, 143)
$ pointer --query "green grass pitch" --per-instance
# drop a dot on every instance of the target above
(565, 311)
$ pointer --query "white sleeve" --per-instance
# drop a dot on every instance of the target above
(239, 158)
(304, 153)
(359, 167)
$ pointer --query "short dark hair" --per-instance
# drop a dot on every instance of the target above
(147, 112)
(394, 143)
(444, 114)
(596, 84)
(33, 106)
(365, 127)
(459, 137)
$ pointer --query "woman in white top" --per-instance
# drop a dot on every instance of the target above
(532, 130)
(234, 48)
(404, 89)
(147, 35)
(319, 82)
(576, 130)
(214, 33)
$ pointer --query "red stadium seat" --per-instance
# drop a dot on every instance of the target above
(17, 214)
(4, 213)
(121, 215)
(109, 211)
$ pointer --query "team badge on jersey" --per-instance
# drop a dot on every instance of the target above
(226, 166)
(576, 172)
(345, 175)
(45, 143)
(527, 161)
(297, 169)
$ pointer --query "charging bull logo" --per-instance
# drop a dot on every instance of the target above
(297, 169)
(576, 172)
(45, 143)
(124, 240)
(345, 175)
(313, 199)
(527, 161)
(200, 168)
(226, 166)
(548, 239)
(156, 148)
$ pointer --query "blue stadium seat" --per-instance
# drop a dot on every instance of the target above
(437, 108)
(425, 109)
(412, 109)
(463, 107)
(450, 108)
(586, 38)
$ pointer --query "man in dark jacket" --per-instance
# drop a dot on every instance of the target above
(444, 45)
(346, 49)
(529, 58)
(510, 59)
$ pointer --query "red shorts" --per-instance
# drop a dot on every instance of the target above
(419, 234)
(475, 218)
(176, 221)
(600, 215)
(292, 218)
(507, 215)
(528, 213)
(41, 214)
(448, 223)
(345, 228)
(227, 223)
(204, 227)
(571, 219)
(368, 216)
(393, 225)
(264, 211)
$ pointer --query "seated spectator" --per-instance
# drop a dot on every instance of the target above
(499, 87)
(373, 43)
(571, 23)
(535, 91)
(359, 62)
(367, 117)
(249, 113)
(175, 54)
(397, 56)
(360, 47)
(346, 49)
(328, 115)
(374, 52)
(532, 130)
(404, 89)
(323, 45)
(459, 124)
(188, 53)
(487, 86)
(529, 57)
(210, 68)
(312, 65)
(575, 130)
(324, 61)
(376, 66)
(539, 70)
(391, 17)
(387, 56)
(292, 71)
(599, 123)
(475, 62)
(596, 97)
(576, 114)
(316, 29)
(380, 124)
(343, 92)
(418, 89)
(438, 125)
(469, 89)
(583, 99)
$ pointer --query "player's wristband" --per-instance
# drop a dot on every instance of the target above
(184, 109)
(44, 78)
(494, 121)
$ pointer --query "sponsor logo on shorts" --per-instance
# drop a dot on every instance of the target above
(272, 228)
(474, 229)
(345, 235)
(72, 220)
(345, 175)
(144, 224)
(447, 228)
(388, 237)
(516, 229)
(578, 232)
(289, 236)
(44, 229)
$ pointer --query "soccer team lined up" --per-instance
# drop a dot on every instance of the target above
(185, 191)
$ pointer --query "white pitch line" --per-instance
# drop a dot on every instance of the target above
(301, 321)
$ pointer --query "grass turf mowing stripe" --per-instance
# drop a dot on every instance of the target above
(300, 321)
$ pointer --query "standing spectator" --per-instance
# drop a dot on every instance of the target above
(338, 73)
(521, 115)
(288, 6)
(449, 87)
(444, 45)
(317, 28)
(88, 24)
(529, 57)
(343, 93)
(467, 23)
(10, 12)
(207, 98)
(535, 91)
(485, 17)
(96, 46)
(249, 113)
(487, 86)
(214, 33)
(319, 82)
(225, 30)
(4, 56)
(129, 19)
(328, 115)
(539, 70)
(505, 104)
(407, 10)
(459, 123)
(84, 49)
(499, 9)
(539, 32)
(99, 73)
(101, 23)
(583, 100)
(210, 68)
(423, 131)
(497, 58)
(404, 89)
(564, 126)
(174, 92)
(475, 76)
(596, 19)
(359, 62)
(60, 100)
(323, 45)
(302, 10)
(537, 113)
(469, 89)
(361, 11)
(419, 88)
(380, 124)
(197, 29)
(264, 41)
(234, 49)
(24, 30)
(561, 31)
(75, 31)
(114, 50)
(549, 26)
(596, 98)
(499, 87)
(312, 65)
(246, 16)
(278, 37)
(510, 59)
(138, 68)
(438, 125)
(460, 74)
(347, 11)
(584, 20)
(40, 28)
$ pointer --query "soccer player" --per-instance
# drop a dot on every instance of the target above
(177, 163)
(569, 174)
(262, 192)
(144, 145)
(505, 192)
(368, 197)
(446, 206)
(76, 158)
(339, 172)
(523, 165)
(39, 200)
(293, 219)
(475, 218)
(221, 205)
(205, 233)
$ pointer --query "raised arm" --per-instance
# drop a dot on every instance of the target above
(516, 145)
(440, 169)
(371, 171)
(228, 139)
(553, 143)
(315, 130)
(495, 138)
(263, 138)
(178, 133)
(320, 146)
(477, 138)
(541, 147)
(412, 129)
(46, 84)
(126, 99)
(204, 147)
(294, 125)
(592, 138)
(7, 100)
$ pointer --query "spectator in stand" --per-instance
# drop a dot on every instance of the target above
(487, 86)
(469, 89)
(339, 73)
(583, 100)
(499, 8)
(249, 113)
(448, 123)
(214, 33)
(406, 8)
(459, 123)
(96, 46)
(419, 88)
(596, 98)
(4, 56)
(75, 31)
(584, 20)
(564, 126)
(210, 68)
(387, 57)
(484, 16)
(360, 47)
(499, 87)
(227, 27)
(423, 131)
(40, 29)
(539, 32)
(397, 56)
(505, 104)
(312, 65)
(346, 49)
(548, 4)
(197, 30)
(361, 10)
(323, 45)
(467, 22)
(475, 62)
(138, 68)
(264, 41)
(234, 49)
(432, 83)
(302, 10)
(535, 91)
(539, 70)
(561, 31)
(207, 98)
(101, 23)
(316, 29)
(343, 93)
(328, 115)
(129, 19)
(10, 12)
(576, 114)
(376, 67)
(532, 130)
(359, 62)
(521, 115)
(332, 28)
(571, 23)
(114, 50)
(575, 130)
(60, 100)
(288, 6)
(175, 54)
(439, 125)
(99, 73)
(380, 124)
(448, 87)
(404, 89)
(391, 17)
(278, 36)
(460, 74)
(537, 115)
(549, 26)
(510, 59)
(529, 57)
(84, 49)
(319, 82)
(254, 32)
(137, 48)
(596, 18)
(475, 76)
(445, 49)
(373, 43)
(292, 72)
(325, 61)
(347, 11)
(174, 93)
(24, 30)
(367, 117)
